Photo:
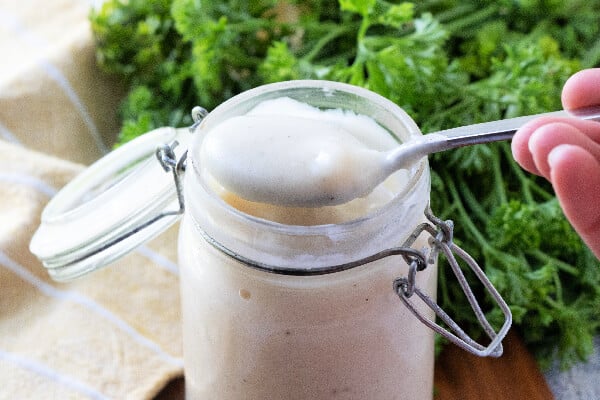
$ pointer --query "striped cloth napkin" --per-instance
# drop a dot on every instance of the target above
(114, 334)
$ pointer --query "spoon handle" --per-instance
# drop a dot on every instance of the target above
(505, 129)
(468, 135)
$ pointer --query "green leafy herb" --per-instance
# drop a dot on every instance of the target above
(447, 63)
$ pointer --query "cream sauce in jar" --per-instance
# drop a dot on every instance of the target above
(251, 333)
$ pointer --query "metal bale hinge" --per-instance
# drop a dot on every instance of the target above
(441, 241)
(165, 154)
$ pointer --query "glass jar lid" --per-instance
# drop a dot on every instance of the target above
(123, 200)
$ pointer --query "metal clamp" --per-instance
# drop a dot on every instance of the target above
(165, 154)
(441, 241)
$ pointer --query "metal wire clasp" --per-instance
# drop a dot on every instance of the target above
(441, 241)
(165, 154)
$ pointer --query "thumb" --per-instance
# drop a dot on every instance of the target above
(575, 176)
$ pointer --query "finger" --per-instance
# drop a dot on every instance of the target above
(520, 145)
(520, 142)
(582, 89)
(575, 176)
(544, 139)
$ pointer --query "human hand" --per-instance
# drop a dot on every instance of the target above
(566, 151)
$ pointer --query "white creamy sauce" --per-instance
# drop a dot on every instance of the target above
(289, 153)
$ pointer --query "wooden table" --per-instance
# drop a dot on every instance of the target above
(515, 375)
(460, 376)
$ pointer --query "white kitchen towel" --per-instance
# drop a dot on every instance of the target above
(114, 334)
(53, 98)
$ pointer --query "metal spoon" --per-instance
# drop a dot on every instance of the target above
(371, 167)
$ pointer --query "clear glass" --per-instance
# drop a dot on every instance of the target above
(292, 326)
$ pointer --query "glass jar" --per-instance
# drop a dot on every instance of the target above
(278, 303)
(277, 311)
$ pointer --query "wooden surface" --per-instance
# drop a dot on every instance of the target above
(515, 375)
(460, 376)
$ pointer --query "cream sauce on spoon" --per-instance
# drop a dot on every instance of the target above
(292, 161)
(288, 153)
